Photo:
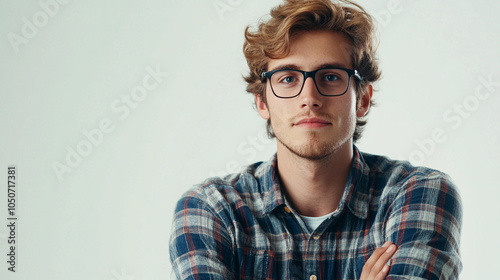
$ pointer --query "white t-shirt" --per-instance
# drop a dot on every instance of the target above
(314, 222)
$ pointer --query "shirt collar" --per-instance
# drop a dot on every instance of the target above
(355, 194)
(270, 185)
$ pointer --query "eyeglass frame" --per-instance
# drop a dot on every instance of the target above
(312, 74)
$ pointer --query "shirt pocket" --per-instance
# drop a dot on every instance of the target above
(255, 264)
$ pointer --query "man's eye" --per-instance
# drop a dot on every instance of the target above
(331, 78)
(289, 79)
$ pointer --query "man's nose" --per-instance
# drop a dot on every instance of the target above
(310, 96)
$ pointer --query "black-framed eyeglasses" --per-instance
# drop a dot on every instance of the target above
(331, 81)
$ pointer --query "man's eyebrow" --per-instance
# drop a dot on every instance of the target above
(285, 66)
(333, 65)
(296, 67)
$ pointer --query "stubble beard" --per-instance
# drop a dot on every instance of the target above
(315, 150)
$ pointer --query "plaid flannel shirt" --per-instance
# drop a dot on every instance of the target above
(243, 227)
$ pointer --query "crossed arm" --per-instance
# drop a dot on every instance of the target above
(424, 222)
(376, 268)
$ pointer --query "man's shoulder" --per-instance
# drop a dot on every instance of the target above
(247, 185)
(399, 176)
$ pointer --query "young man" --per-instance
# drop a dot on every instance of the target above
(320, 208)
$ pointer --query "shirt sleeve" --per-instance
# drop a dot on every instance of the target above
(200, 244)
(425, 222)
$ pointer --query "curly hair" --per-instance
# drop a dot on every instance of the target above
(272, 41)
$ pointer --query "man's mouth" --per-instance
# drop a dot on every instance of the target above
(312, 123)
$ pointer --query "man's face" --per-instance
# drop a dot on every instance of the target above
(310, 125)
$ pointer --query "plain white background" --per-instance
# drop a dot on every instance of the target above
(104, 148)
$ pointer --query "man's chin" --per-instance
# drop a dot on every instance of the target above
(310, 151)
(313, 156)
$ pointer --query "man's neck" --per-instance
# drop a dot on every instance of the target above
(314, 187)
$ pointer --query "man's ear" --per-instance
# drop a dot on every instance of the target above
(364, 102)
(261, 106)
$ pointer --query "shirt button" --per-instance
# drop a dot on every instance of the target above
(316, 237)
(313, 277)
(287, 209)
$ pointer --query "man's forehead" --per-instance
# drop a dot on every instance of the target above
(298, 67)
(314, 50)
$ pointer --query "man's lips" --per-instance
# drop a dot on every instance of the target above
(312, 122)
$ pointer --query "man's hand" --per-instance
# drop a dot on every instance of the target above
(376, 268)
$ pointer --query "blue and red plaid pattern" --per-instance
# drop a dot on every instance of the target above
(242, 226)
